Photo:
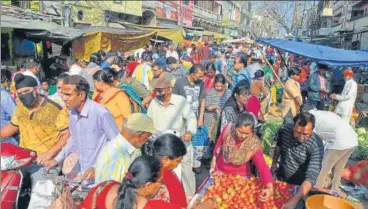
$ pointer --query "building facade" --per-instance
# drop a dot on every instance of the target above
(343, 24)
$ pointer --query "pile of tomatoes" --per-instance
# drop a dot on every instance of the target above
(236, 192)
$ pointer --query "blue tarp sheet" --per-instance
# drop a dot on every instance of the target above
(322, 54)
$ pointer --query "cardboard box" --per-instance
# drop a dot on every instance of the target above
(362, 88)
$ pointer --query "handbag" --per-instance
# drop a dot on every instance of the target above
(64, 201)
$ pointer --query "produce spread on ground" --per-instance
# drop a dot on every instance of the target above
(234, 192)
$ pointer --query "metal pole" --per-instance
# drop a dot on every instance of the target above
(273, 70)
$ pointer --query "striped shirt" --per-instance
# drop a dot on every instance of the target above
(299, 161)
(114, 160)
(212, 98)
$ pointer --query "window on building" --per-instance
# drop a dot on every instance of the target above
(196, 2)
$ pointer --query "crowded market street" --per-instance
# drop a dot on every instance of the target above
(178, 112)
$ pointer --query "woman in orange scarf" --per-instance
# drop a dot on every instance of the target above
(115, 100)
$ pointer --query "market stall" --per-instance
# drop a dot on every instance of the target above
(173, 34)
(109, 39)
(322, 54)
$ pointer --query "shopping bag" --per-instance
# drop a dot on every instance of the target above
(65, 201)
(44, 193)
(200, 143)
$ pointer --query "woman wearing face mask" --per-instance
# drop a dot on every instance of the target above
(209, 76)
(215, 101)
(235, 104)
(236, 146)
(115, 100)
(142, 181)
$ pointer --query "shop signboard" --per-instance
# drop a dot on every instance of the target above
(167, 10)
(186, 8)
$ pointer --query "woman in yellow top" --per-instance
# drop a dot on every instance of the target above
(114, 99)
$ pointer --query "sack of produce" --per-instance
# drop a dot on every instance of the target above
(357, 174)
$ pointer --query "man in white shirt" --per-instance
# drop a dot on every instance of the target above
(173, 112)
(348, 96)
(74, 68)
(32, 69)
(172, 53)
(340, 142)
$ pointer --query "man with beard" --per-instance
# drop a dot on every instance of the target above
(173, 112)
(42, 124)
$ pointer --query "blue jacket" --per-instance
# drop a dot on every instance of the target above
(314, 87)
(241, 75)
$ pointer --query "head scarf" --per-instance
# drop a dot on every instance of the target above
(233, 154)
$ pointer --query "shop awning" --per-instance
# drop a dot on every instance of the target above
(111, 39)
(38, 30)
(322, 54)
(173, 34)
(241, 40)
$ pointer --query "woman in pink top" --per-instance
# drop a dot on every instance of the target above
(236, 146)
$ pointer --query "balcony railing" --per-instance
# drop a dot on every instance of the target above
(358, 17)
(211, 15)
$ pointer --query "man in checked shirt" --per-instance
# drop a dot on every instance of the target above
(301, 153)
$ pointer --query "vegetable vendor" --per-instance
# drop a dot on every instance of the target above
(236, 146)
(341, 142)
(348, 96)
(300, 152)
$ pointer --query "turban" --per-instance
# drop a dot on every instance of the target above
(348, 72)
(22, 81)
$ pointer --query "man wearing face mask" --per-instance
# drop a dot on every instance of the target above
(7, 103)
(192, 88)
(42, 124)
(173, 112)
(301, 153)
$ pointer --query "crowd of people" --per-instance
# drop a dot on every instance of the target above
(127, 123)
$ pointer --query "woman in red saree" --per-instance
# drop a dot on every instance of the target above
(236, 146)
(170, 149)
(144, 179)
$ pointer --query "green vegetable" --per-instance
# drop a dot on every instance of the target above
(360, 131)
(269, 130)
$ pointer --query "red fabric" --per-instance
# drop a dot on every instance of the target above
(101, 198)
(270, 51)
(243, 170)
(254, 106)
(208, 83)
(205, 53)
(175, 188)
(159, 204)
(130, 68)
(303, 76)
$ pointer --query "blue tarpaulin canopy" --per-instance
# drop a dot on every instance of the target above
(322, 54)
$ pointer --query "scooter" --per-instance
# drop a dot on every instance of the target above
(15, 182)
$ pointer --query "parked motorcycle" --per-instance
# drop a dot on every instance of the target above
(15, 182)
